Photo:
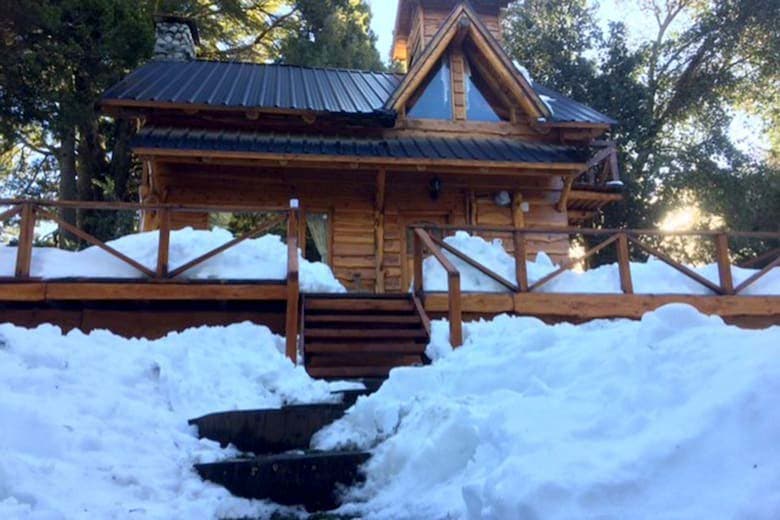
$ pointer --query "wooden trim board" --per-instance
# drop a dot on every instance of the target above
(578, 307)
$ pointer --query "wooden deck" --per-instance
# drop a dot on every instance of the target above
(163, 299)
(577, 308)
(91, 290)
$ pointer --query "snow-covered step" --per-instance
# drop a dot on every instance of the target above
(311, 480)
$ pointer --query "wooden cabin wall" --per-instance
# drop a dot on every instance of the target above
(349, 202)
(432, 16)
(350, 197)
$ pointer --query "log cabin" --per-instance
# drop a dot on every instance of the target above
(464, 137)
(377, 163)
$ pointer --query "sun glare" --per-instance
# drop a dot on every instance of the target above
(681, 219)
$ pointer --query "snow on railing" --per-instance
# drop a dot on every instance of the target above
(622, 239)
(31, 212)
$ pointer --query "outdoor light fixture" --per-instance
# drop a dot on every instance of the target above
(615, 185)
(503, 199)
(434, 188)
(525, 207)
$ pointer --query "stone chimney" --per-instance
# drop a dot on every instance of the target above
(175, 38)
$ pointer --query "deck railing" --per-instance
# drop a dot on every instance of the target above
(621, 239)
(30, 212)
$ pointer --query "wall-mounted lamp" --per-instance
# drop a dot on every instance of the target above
(502, 199)
(434, 188)
(525, 207)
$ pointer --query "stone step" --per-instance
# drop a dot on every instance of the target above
(312, 480)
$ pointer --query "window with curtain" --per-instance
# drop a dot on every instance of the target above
(436, 99)
(318, 237)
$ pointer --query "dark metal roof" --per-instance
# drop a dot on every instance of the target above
(565, 110)
(251, 85)
(503, 150)
(271, 86)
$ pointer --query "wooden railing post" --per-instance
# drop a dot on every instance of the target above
(455, 313)
(418, 266)
(293, 284)
(624, 264)
(26, 238)
(521, 259)
(163, 243)
(724, 263)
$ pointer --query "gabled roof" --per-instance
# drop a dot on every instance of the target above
(271, 87)
(495, 150)
(463, 22)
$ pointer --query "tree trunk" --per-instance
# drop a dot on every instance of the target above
(66, 157)
(121, 166)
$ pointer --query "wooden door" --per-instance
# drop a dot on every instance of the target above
(407, 241)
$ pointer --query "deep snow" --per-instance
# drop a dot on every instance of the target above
(651, 277)
(674, 416)
(263, 258)
(95, 427)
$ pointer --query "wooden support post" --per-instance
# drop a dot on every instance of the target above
(518, 222)
(724, 263)
(301, 229)
(521, 259)
(379, 231)
(293, 285)
(164, 243)
(624, 264)
(564, 200)
(26, 238)
(418, 266)
(473, 210)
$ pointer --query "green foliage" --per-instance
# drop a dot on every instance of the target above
(332, 33)
(674, 95)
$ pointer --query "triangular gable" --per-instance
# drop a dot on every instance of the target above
(464, 23)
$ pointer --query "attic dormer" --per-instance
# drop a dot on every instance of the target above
(418, 21)
(463, 75)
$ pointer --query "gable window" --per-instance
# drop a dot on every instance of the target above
(478, 108)
(435, 102)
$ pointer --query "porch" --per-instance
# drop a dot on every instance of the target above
(162, 298)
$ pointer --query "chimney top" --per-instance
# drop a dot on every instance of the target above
(175, 38)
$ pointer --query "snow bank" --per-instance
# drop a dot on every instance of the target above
(674, 416)
(651, 277)
(263, 258)
(96, 426)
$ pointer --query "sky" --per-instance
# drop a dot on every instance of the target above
(384, 12)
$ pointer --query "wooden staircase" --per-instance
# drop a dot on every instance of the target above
(350, 336)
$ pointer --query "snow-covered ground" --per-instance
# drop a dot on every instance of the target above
(651, 277)
(95, 427)
(263, 258)
(674, 417)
